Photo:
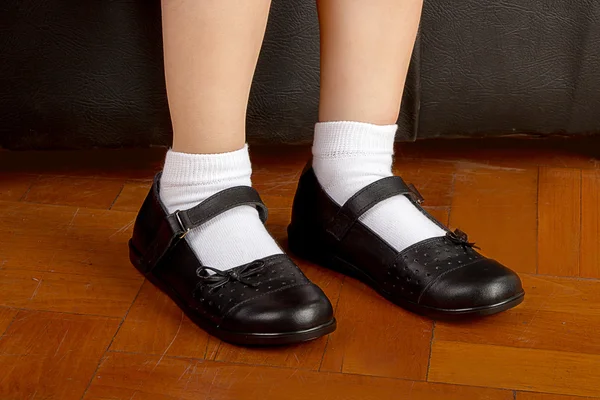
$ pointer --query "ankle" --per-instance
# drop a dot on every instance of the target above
(348, 156)
(188, 179)
(236, 236)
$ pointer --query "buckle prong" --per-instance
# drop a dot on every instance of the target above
(183, 228)
(417, 195)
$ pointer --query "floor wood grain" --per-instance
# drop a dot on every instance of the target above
(559, 221)
(52, 355)
(497, 207)
(513, 368)
(125, 376)
(78, 322)
(590, 224)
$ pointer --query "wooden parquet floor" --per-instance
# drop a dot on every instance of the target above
(78, 322)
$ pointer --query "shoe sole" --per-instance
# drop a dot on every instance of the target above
(237, 338)
(315, 254)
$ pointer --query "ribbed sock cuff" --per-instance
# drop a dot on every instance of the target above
(348, 138)
(191, 169)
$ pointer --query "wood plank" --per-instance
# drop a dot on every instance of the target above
(277, 182)
(590, 224)
(376, 337)
(17, 287)
(66, 239)
(31, 234)
(559, 223)
(571, 152)
(52, 355)
(497, 208)
(212, 348)
(96, 244)
(67, 292)
(434, 179)
(511, 368)
(125, 394)
(14, 186)
(565, 295)
(305, 355)
(547, 396)
(132, 196)
(155, 325)
(74, 191)
(74, 259)
(557, 314)
(6, 317)
(270, 156)
(85, 295)
(107, 163)
(271, 177)
(442, 214)
(280, 214)
(137, 376)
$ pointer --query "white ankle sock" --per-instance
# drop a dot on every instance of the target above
(233, 238)
(348, 156)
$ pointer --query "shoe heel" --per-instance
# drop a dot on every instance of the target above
(304, 245)
(301, 246)
(136, 258)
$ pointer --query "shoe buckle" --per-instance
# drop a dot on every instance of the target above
(416, 194)
(183, 228)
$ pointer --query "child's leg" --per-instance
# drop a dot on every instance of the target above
(211, 49)
(365, 53)
(380, 234)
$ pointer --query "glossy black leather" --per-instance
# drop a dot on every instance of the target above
(269, 301)
(77, 74)
(297, 306)
(479, 284)
(439, 277)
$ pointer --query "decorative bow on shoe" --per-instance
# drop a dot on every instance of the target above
(221, 278)
(461, 238)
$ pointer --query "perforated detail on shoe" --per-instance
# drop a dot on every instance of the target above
(419, 265)
(279, 272)
(427, 278)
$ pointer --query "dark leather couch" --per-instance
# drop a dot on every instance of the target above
(76, 74)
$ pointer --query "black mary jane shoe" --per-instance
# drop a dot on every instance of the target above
(442, 277)
(265, 302)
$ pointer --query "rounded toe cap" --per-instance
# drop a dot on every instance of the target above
(482, 284)
(294, 309)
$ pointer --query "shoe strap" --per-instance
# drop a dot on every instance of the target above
(365, 199)
(178, 224)
(182, 222)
